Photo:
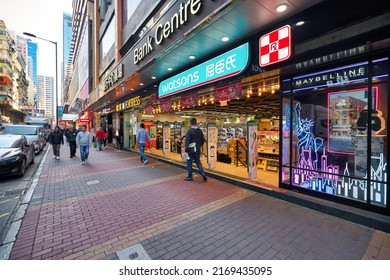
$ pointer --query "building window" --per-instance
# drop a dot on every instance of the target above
(108, 40)
(327, 142)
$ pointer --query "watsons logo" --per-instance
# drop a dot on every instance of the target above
(221, 67)
(164, 30)
(181, 82)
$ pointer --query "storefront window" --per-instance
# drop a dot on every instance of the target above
(337, 125)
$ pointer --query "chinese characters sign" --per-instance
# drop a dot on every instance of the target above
(221, 67)
(275, 46)
(113, 77)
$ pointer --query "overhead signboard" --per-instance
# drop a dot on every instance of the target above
(221, 67)
(275, 46)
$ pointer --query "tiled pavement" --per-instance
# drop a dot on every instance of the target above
(114, 202)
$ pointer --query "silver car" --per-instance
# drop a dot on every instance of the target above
(34, 134)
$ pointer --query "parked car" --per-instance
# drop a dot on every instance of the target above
(16, 153)
(34, 134)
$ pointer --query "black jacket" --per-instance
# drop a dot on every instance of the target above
(71, 136)
(56, 138)
(194, 135)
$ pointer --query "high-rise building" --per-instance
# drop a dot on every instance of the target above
(32, 52)
(45, 92)
(67, 40)
(13, 83)
(21, 45)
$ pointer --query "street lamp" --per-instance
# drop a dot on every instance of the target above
(55, 43)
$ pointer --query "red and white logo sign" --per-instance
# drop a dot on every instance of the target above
(275, 46)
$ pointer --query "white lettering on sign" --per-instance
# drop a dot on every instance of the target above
(165, 30)
(220, 66)
(182, 82)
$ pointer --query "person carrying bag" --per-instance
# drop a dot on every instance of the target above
(194, 142)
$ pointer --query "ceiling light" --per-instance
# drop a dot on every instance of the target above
(186, 117)
(141, 84)
(281, 8)
(191, 56)
(169, 69)
(299, 23)
(154, 78)
(225, 38)
(147, 116)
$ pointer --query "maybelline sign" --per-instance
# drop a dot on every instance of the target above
(164, 29)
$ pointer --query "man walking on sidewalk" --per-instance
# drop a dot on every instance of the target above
(141, 136)
(71, 137)
(56, 138)
(194, 142)
(84, 141)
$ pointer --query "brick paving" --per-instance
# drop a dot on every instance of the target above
(114, 202)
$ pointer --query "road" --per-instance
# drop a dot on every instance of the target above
(11, 191)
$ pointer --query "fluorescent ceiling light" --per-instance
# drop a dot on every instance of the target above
(225, 38)
(299, 23)
(154, 78)
(191, 56)
(186, 117)
(147, 116)
(169, 69)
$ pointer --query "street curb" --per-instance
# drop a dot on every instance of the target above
(10, 237)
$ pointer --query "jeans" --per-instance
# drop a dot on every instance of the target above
(194, 156)
(141, 147)
(84, 152)
(100, 143)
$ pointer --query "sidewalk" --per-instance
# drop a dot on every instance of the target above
(115, 207)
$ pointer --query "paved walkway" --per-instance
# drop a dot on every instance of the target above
(115, 207)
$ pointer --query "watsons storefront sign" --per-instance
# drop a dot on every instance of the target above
(221, 67)
(165, 28)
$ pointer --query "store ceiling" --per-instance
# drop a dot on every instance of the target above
(238, 20)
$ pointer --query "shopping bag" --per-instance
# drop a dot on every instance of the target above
(95, 144)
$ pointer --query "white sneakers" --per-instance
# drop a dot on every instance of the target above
(82, 162)
(55, 157)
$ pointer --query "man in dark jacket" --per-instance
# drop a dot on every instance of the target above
(194, 142)
(71, 137)
(56, 139)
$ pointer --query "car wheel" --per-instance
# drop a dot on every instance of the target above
(22, 168)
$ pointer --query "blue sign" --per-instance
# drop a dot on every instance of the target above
(221, 67)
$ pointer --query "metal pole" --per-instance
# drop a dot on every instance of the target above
(56, 108)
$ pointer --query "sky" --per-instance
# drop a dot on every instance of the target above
(42, 18)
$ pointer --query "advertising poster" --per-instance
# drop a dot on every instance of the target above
(212, 144)
(166, 140)
(153, 132)
(252, 149)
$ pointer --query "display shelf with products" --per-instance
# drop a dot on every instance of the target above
(176, 132)
(268, 150)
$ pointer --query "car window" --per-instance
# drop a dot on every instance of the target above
(6, 142)
(20, 130)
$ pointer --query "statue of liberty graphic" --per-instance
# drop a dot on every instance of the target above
(306, 139)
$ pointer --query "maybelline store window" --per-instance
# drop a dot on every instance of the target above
(335, 132)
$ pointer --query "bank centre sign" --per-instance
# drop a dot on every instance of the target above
(166, 27)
